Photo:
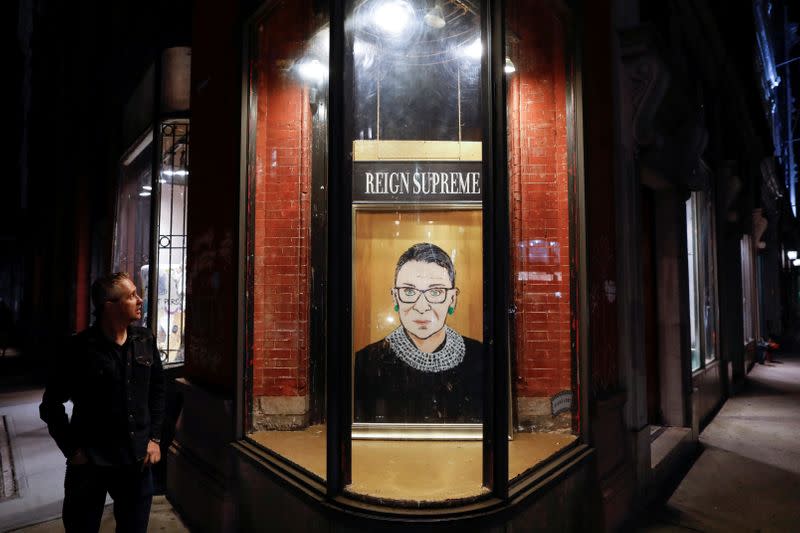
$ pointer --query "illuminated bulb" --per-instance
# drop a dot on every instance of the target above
(392, 17)
(144, 193)
(434, 18)
(176, 172)
(147, 187)
(509, 67)
(796, 262)
(792, 255)
(474, 50)
(312, 70)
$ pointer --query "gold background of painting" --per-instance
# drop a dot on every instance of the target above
(381, 237)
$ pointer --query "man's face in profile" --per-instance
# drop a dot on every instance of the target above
(418, 315)
(125, 303)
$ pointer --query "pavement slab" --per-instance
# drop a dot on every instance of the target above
(747, 478)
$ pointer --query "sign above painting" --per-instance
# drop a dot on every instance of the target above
(417, 181)
(417, 172)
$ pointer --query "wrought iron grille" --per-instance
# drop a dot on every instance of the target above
(172, 201)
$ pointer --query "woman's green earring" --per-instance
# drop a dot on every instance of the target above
(450, 310)
(396, 307)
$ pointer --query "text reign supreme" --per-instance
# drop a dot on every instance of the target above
(422, 183)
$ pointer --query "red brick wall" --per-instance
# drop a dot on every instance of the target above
(539, 205)
(282, 212)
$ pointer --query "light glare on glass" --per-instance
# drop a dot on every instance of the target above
(435, 18)
(392, 17)
(474, 50)
(509, 67)
(312, 70)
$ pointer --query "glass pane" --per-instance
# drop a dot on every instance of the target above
(132, 222)
(538, 131)
(747, 284)
(710, 278)
(691, 252)
(287, 173)
(415, 140)
(172, 188)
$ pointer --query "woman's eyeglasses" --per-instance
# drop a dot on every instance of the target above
(409, 295)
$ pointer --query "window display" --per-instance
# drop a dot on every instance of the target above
(137, 195)
(701, 252)
(132, 221)
(172, 201)
(541, 221)
(287, 151)
(426, 364)
(417, 224)
(396, 318)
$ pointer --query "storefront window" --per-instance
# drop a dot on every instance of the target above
(701, 246)
(172, 189)
(418, 246)
(749, 320)
(134, 233)
(540, 223)
(287, 164)
(132, 222)
(694, 291)
(412, 327)
(708, 247)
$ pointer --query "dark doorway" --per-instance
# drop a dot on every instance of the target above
(650, 304)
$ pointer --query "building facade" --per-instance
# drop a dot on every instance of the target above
(458, 264)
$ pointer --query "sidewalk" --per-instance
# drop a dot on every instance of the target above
(37, 469)
(36, 465)
(748, 476)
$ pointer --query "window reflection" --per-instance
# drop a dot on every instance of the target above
(287, 173)
(543, 404)
(414, 121)
(132, 221)
(416, 79)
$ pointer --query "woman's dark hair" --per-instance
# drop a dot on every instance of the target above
(425, 252)
(104, 290)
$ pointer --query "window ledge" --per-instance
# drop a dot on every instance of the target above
(538, 479)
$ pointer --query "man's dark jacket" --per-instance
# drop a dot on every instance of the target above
(117, 394)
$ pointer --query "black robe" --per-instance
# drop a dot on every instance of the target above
(388, 390)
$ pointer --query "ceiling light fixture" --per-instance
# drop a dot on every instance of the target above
(435, 18)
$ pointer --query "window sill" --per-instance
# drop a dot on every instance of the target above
(457, 506)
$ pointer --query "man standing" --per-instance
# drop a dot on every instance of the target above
(112, 373)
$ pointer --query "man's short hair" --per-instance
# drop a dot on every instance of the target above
(425, 252)
(104, 289)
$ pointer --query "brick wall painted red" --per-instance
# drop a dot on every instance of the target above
(539, 204)
(282, 212)
(539, 210)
